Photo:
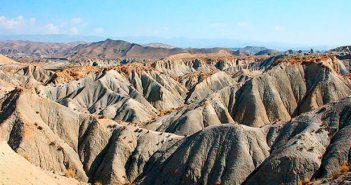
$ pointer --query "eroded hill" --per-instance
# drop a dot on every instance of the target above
(185, 119)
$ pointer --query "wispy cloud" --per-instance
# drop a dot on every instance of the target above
(99, 30)
(21, 25)
(73, 31)
(51, 29)
(243, 24)
(11, 23)
(278, 28)
(219, 25)
(76, 20)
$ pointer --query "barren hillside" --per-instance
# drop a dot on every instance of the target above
(186, 119)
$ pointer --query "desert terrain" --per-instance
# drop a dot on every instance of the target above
(114, 112)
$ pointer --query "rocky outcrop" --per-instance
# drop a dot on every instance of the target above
(45, 132)
(195, 117)
(208, 86)
(306, 147)
(6, 60)
(15, 169)
(107, 93)
(129, 149)
(223, 154)
(289, 89)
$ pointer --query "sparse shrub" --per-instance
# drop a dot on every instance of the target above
(97, 183)
(304, 181)
(69, 173)
(335, 175)
(51, 143)
(26, 157)
(95, 64)
(26, 131)
(343, 169)
(40, 128)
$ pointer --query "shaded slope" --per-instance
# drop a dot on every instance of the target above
(217, 155)
(313, 145)
(192, 118)
(289, 89)
(15, 169)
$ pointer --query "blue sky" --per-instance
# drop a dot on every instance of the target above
(308, 22)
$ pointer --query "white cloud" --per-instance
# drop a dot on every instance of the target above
(243, 24)
(73, 31)
(224, 27)
(76, 20)
(278, 28)
(9, 24)
(30, 25)
(51, 29)
(219, 25)
(156, 32)
(99, 30)
(32, 21)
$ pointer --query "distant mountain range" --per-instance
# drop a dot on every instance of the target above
(176, 42)
(112, 49)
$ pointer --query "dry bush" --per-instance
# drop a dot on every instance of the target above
(304, 181)
(335, 175)
(26, 157)
(97, 183)
(69, 173)
(343, 169)
(162, 113)
(74, 73)
(305, 59)
(26, 132)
